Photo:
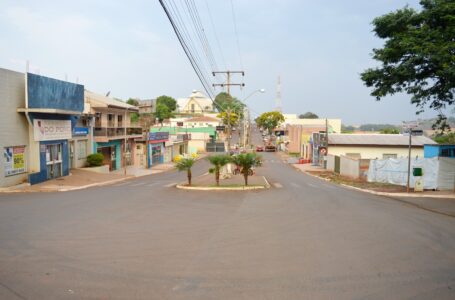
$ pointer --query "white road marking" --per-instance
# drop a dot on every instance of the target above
(171, 184)
(152, 184)
(278, 185)
(313, 185)
(138, 184)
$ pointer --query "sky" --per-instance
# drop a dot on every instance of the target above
(318, 48)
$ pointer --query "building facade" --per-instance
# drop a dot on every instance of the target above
(196, 103)
(114, 134)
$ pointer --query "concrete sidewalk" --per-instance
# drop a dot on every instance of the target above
(81, 179)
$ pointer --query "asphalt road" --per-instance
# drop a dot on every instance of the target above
(301, 239)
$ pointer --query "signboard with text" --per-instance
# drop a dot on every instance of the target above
(158, 136)
(14, 160)
(80, 131)
(49, 130)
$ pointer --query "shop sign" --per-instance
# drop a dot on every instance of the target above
(158, 136)
(179, 123)
(80, 131)
(220, 128)
(14, 160)
(49, 130)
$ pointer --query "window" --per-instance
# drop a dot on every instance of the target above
(192, 107)
(110, 120)
(98, 120)
(389, 155)
(81, 149)
(120, 121)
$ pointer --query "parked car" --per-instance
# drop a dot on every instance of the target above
(270, 148)
(259, 149)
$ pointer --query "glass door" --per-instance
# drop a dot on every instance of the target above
(54, 160)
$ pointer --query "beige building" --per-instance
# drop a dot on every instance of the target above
(114, 134)
(372, 146)
(14, 133)
(196, 103)
(333, 124)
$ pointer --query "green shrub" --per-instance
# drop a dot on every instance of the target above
(95, 160)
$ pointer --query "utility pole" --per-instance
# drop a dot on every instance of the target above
(229, 109)
(409, 126)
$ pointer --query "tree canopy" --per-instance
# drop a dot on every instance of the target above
(270, 120)
(308, 115)
(389, 130)
(417, 57)
(169, 102)
(223, 101)
(232, 118)
(448, 138)
(133, 101)
(162, 112)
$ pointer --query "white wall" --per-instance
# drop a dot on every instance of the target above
(374, 152)
(349, 167)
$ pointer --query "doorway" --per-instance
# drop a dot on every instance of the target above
(71, 154)
(108, 156)
(54, 160)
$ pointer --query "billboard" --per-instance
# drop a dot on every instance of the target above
(50, 130)
(14, 160)
(45, 92)
(158, 136)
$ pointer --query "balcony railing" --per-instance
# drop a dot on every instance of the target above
(116, 131)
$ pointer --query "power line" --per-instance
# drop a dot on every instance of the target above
(215, 33)
(236, 34)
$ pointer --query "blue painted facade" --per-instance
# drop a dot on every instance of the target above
(155, 159)
(118, 151)
(48, 93)
(430, 151)
(41, 176)
(45, 92)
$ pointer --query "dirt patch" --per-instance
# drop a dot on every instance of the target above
(360, 182)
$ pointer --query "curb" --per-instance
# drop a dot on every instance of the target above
(203, 188)
(241, 188)
(380, 193)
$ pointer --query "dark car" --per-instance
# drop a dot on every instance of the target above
(270, 148)
(259, 149)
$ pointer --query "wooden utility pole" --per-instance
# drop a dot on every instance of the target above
(228, 85)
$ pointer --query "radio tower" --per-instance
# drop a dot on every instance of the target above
(278, 95)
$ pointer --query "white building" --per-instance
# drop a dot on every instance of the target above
(196, 103)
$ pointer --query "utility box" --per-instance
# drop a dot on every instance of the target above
(418, 185)
(417, 172)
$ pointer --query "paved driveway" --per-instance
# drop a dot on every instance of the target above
(302, 239)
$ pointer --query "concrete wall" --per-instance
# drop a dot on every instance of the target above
(375, 152)
(330, 162)
(13, 125)
(446, 173)
(349, 167)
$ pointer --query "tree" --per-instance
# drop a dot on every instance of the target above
(185, 164)
(163, 112)
(218, 162)
(132, 101)
(225, 117)
(417, 57)
(308, 115)
(169, 102)
(246, 162)
(389, 130)
(270, 120)
(224, 101)
(448, 138)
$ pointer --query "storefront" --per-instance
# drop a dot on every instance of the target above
(51, 108)
(156, 147)
(112, 153)
(78, 147)
(52, 136)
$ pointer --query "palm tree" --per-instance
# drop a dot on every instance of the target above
(246, 162)
(218, 161)
(185, 164)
